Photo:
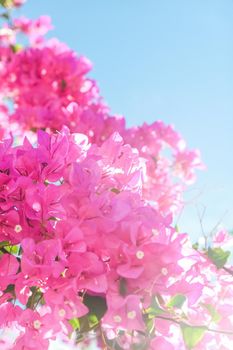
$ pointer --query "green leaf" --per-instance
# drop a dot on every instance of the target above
(195, 246)
(6, 3)
(96, 305)
(192, 335)
(154, 310)
(177, 301)
(16, 48)
(10, 289)
(93, 320)
(150, 325)
(12, 249)
(218, 256)
(3, 244)
(216, 317)
(75, 323)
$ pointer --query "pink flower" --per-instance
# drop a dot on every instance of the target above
(19, 2)
(86, 208)
(34, 29)
(43, 259)
(125, 313)
(185, 164)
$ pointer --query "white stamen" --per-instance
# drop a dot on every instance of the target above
(164, 271)
(131, 315)
(18, 228)
(62, 312)
(140, 254)
(36, 324)
(117, 318)
(155, 232)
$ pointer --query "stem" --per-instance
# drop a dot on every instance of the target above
(201, 326)
(228, 270)
(32, 300)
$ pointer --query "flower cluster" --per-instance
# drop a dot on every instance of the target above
(87, 243)
(48, 87)
(75, 229)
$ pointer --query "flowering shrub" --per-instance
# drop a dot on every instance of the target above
(87, 242)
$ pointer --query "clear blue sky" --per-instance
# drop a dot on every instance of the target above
(169, 60)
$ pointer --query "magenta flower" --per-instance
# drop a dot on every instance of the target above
(87, 237)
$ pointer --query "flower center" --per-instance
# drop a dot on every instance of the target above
(18, 228)
(140, 254)
(61, 312)
(36, 324)
(131, 315)
(164, 271)
(117, 318)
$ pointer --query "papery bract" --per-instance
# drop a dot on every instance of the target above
(87, 241)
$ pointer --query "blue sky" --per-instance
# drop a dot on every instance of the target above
(164, 59)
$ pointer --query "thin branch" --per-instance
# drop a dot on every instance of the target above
(201, 217)
(181, 323)
(218, 223)
(228, 270)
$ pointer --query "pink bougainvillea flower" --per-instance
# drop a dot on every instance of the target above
(87, 242)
